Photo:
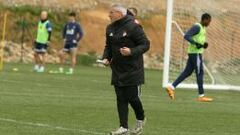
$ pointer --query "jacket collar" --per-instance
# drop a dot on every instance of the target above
(123, 20)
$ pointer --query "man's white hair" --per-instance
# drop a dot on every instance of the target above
(120, 8)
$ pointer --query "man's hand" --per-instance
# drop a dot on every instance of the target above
(125, 51)
(106, 62)
(205, 45)
(75, 41)
(199, 46)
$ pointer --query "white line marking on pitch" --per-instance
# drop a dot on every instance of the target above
(50, 126)
(97, 97)
(42, 85)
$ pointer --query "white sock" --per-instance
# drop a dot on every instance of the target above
(71, 70)
(140, 120)
(42, 68)
(201, 95)
(172, 87)
(61, 69)
(124, 128)
(36, 67)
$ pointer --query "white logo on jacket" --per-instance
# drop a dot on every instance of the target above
(124, 34)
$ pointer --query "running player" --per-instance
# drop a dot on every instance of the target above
(196, 37)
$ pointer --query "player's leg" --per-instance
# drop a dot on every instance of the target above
(122, 106)
(186, 73)
(42, 57)
(62, 55)
(136, 104)
(37, 50)
(73, 58)
(42, 62)
(62, 58)
(36, 61)
(199, 75)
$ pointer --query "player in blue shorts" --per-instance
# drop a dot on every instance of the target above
(72, 34)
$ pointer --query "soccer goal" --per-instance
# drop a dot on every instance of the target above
(221, 59)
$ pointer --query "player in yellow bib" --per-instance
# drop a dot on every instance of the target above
(196, 38)
(42, 41)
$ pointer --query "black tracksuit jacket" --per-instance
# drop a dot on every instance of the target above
(126, 70)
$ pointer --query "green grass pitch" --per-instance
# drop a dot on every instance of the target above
(84, 104)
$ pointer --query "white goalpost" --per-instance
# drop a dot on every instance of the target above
(221, 59)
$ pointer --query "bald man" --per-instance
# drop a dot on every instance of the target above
(42, 41)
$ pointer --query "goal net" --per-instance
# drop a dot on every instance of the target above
(221, 59)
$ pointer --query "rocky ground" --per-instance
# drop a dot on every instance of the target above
(23, 53)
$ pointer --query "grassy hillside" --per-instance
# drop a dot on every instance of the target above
(93, 21)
